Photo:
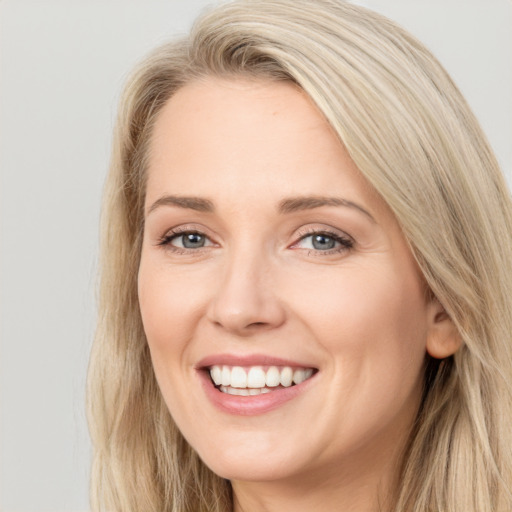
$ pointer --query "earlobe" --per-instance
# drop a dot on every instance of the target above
(443, 338)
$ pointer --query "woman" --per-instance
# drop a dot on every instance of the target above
(306, 276)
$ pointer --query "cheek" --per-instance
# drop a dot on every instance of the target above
(170, 304)
(354, 304)
(170, 308)
(374, 328)
(372, 323)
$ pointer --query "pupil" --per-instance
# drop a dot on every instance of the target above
(323, 242)
(193, 240)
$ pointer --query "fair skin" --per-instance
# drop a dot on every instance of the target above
(245, 272)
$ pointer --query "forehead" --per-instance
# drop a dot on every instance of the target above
(240, 138)
(250, 117)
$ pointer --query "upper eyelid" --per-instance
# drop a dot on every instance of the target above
(179, 230)
(307, 230)
(188, 228)
(301, 232)
(344, 240)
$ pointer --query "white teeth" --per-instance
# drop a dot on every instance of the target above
(243, 392)
(256, 377)
(236, 378)
(298, 377)
(216, 373)
(226, 376)
(273, 378)
(286, 377)
(301, 375)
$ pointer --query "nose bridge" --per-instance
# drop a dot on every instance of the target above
(245, 300)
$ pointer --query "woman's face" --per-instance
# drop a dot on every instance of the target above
(270, 265)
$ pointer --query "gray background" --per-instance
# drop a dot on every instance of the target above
(62, 67)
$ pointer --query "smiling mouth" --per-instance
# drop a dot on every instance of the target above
(256, 380)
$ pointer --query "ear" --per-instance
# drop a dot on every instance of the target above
(443, 339)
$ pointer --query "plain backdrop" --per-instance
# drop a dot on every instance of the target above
(62, 66)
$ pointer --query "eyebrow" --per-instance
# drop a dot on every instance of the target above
(296, 204)
(192, 203)
(289, 205)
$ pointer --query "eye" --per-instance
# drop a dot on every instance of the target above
(186, 240)
(325, 242)
(320, 242)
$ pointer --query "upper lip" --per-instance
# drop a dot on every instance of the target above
(249, 360)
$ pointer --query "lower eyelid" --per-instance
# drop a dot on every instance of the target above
(345, 241)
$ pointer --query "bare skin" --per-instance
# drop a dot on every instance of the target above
(249, 268)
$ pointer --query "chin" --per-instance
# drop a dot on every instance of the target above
(250, 461)
(251, 470)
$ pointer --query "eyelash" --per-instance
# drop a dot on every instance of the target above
(165, 241)
(346, 243)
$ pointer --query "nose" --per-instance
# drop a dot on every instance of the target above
(245, 301)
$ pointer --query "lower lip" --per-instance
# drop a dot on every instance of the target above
(251, 405)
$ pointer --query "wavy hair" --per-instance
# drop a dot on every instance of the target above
(412, 135)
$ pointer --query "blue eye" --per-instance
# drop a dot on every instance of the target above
(186, 240)
(192, 240)
(324, 242)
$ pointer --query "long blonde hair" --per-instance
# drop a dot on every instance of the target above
(412, 135)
